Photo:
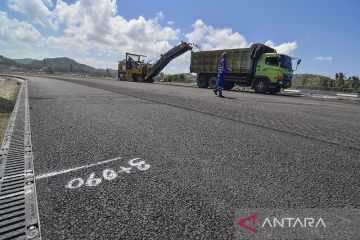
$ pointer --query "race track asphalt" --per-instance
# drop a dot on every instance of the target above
(195, 159)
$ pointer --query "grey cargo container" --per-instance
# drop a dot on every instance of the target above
(207, 62)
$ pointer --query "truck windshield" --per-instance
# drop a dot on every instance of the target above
(285, 62)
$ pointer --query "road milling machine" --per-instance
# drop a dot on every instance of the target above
(134, 68)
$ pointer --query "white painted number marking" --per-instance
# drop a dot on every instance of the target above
(108, 174)
(125, 169)
(141, 165)
(92, 181)
(79, 182)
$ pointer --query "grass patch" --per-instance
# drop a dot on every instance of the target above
(8, 93)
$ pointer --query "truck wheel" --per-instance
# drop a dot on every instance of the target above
(202, 82)
(274, 90)
(229, 85)
(213, 82)
(261, 85)
(135, 78)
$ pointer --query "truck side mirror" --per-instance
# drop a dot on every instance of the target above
(297, 64)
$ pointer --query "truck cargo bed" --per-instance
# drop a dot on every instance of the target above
(238, 60)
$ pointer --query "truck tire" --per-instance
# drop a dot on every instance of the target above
(213, 83)
(229, 85)
(202, 82)
(261, 85)
(135, 78)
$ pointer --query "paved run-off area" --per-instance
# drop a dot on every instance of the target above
(180, 162)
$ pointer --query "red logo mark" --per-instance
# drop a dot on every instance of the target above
(242, 222)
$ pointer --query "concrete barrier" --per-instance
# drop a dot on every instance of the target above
(354, 95)
(292, 91)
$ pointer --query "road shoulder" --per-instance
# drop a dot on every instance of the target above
(9, 90)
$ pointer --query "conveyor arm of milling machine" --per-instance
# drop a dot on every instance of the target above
(166, 58)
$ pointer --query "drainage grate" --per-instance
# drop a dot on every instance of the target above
(18, 207)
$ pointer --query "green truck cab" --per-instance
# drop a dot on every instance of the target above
(259, 67)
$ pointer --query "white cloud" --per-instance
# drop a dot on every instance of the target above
(92, 32)
(97, 27)
(321, 58)
(284, 48)
(209, 38)
(87, 30)
(16, 32)
(36, 11)
(159, 16)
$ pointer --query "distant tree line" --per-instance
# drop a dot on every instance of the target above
(173, 78)
(341, 81)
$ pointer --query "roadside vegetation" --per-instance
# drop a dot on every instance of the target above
(340, 83)
(8, 93)
(176, 78)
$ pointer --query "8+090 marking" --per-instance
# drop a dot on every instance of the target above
(107, 174)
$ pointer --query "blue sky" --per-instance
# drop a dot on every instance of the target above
(97, 32)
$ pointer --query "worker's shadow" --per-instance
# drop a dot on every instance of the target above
(230, 98)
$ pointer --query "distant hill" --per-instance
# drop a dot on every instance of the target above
(24, 60)
(8, 62)
(51, 65)
(61, 64)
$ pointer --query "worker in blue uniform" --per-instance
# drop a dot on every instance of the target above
(221, 74)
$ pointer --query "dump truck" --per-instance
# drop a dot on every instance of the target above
(259, 67)
(134, 68)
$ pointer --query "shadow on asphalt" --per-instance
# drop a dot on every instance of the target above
(229, 98)
(266, 94)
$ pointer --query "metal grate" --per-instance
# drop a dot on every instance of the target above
(18, 207)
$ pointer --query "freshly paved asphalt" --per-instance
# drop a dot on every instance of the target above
(208, 157)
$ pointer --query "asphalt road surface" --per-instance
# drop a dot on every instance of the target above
(182, 162)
